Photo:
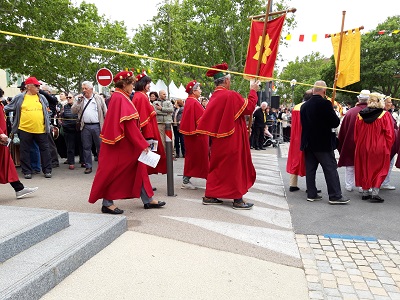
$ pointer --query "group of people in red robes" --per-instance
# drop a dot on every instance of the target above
(366, 144)
(131, 126)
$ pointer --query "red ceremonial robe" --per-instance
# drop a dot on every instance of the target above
(119, 174)
(149, 128)
(347, 146)
(196, 145)
(296, 163)
(372, 154)
(8, 173)
(231, 171)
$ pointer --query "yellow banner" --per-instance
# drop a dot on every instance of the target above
(349, 66)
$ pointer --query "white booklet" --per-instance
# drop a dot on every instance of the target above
(150, 158)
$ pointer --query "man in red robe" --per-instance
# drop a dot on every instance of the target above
(8, 173)
(346, 144)
(374, 137)
(120, 175)
(196, 145)
(148, 120)
(231, 172)
(296, 165)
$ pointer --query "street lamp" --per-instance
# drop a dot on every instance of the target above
(293, 84)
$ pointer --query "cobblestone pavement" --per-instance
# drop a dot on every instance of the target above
(349, 267)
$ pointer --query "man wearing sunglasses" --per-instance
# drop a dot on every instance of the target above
(32, 123)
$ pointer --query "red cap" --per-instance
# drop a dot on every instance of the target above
(122, 75)
(32, 80)
(140, 76)
(218, 74)
(191, 85)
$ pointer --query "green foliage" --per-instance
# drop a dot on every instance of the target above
(61, 66)
(198, 32)
(305, 71)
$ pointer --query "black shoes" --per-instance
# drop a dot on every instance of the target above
(156, 205)
(367, 197)
(242, 205)
(211, 201)
(116, 211)
(316, 198)
(341, 200)
(293, 188)
(88, 171)
(318, 191)
(376, 199)
(28, 176)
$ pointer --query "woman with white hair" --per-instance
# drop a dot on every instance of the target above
(374, 137)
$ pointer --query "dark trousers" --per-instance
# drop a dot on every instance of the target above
(72, 139)
(90, 134)
(258, 137)
(179, 142)
(17, 186)
(53, 151)
(329, 166)
(25, 148)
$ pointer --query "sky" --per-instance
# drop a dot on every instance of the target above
(313, 17)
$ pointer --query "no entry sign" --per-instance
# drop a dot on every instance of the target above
(104, 77)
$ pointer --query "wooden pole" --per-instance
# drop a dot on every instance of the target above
(292, 10)
(263, 38)
(338, 59)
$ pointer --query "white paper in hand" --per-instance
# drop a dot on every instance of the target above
(150, 158)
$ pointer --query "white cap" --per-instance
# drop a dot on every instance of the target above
(364, 94)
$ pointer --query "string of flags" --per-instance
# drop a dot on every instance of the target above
(314, 37)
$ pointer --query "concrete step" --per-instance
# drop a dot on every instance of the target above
(35, 271)
(23, 227)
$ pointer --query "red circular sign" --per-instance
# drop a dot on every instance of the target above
(104, 77)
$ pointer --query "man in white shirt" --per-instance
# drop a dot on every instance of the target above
(91, 109)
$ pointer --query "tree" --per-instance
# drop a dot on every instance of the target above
(198, 32)
(62, 66)
(305, 70)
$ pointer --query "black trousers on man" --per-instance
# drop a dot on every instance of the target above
(328, 163)
(42, 140)
(258, 137)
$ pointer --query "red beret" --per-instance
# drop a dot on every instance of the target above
(122, 75)
(140, 76)
(191, 85)
(32, 80)
(218, 74)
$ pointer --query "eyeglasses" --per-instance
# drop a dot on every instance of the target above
(112, 91)
(36, 85)
(69, 97)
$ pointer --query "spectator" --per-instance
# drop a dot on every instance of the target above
(32, 123)
(71, 134)
(164, 109)
(260, 121)
(91, 110)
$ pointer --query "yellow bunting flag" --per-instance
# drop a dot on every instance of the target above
(288, 37)
(314, 38)
(349, 65)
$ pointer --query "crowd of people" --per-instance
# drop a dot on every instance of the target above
(208, 135)
(366, 137)
(129, 123)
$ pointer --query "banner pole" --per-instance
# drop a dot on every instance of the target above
(338, 59)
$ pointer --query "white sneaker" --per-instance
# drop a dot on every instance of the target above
(25, 192)
(188, 186)
(388, 187)
(349, 189)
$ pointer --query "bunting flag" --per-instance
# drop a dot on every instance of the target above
(314, 36)
(349, 66)
(270, 47)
